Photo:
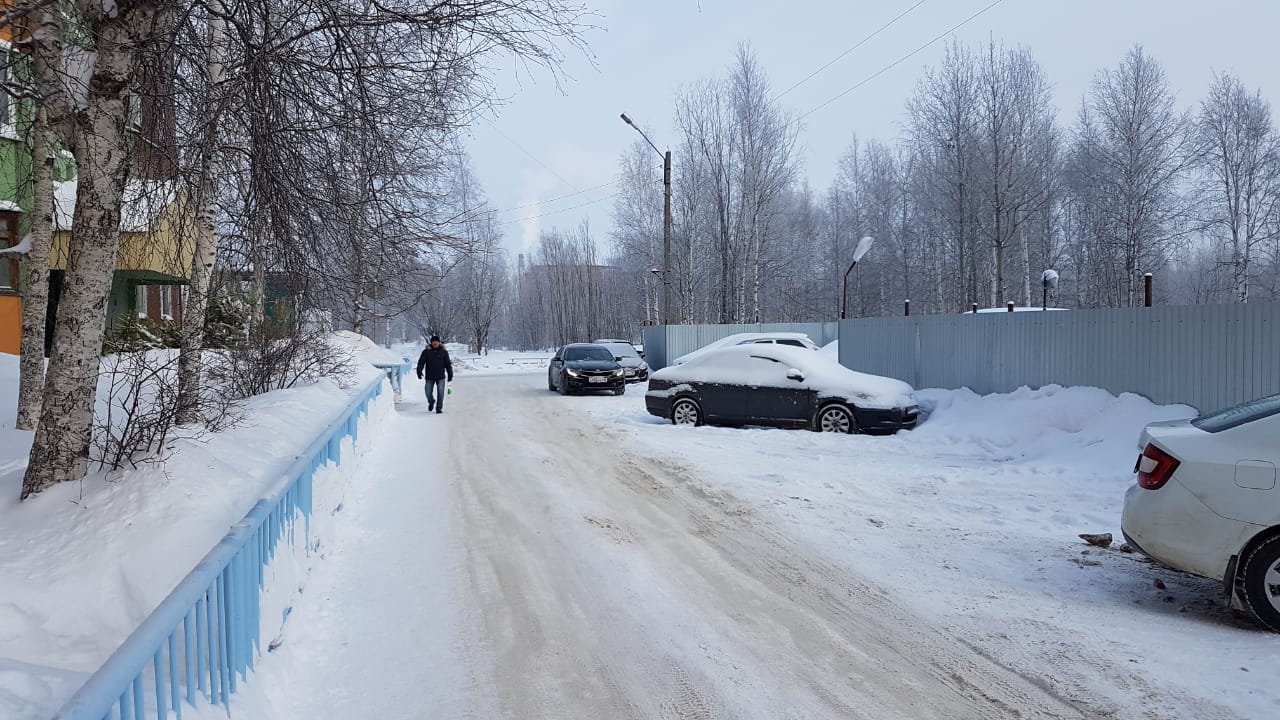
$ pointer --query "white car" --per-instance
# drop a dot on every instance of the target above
(1206, 501)
(794, 339)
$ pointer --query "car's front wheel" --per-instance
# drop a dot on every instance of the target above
(1260, 582)
(686, 412)
(564, 385)
(551, 383)
(835, 418)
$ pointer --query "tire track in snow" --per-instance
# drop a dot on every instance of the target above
(706, 613)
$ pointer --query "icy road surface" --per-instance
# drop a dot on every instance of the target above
(527, 555)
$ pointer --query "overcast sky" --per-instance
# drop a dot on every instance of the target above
(547, 142)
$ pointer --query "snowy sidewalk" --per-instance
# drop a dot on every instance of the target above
(375, 633)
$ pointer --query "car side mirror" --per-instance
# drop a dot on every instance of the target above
(617, 359)
(556, 359)
(794, 374)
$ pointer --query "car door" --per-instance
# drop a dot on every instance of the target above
(775, 398)
(557, 368)
(722, 391)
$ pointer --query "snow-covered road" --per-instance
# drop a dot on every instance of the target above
(609, 586)
(528, 555)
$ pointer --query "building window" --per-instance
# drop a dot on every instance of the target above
(8, 263)
(140, 301)
(166, 303)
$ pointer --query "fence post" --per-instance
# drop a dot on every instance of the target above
(1009, 305)
(974, 309)
(1146, 290)
(906, 308)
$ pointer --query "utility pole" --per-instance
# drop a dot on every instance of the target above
(666, 221)
(666, 238)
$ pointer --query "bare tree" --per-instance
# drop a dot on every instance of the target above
(1131, 151)
(1240, 158)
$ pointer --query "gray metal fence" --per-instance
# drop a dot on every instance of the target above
(1206, 356)
(664, 343)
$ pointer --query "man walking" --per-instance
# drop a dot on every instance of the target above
(435, 364)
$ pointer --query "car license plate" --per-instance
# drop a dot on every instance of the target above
(598, 379)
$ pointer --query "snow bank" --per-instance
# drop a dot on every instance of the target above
(81, 564)
(1050, 424)
(831, 351)
(366, 349)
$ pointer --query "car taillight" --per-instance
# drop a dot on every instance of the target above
(1155, 467)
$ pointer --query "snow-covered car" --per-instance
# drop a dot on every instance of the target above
(1206, 501)
(624, 353)
(793, 339)
(779, 385)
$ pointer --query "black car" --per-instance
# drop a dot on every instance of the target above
(584, 367)
(779, 386)
(626, 355)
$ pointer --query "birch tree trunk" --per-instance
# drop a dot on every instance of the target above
(60, 452)
(46, 44)
(190, 355)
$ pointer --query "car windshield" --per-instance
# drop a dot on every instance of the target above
(593, 352)
(623, 350)
(1239, 415)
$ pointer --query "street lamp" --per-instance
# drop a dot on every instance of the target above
(1048, 280)
(666, 220)
(863, 246)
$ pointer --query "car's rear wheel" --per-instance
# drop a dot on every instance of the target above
(1260, 582)
(686, 412)
(835, 418)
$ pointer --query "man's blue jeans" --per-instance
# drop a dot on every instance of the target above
(435, 394)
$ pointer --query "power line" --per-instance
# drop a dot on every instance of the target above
(533, 157)
(859, 44)
(557, 199)
(904, 58)
(561, 210)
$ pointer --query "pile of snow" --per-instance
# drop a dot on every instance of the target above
(739, 365)
(831, 351)
(81, 564)
(1049, 424)
(366, 349)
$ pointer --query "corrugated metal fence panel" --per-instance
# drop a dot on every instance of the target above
(1206, 356)
(677, 340)
(654, 338)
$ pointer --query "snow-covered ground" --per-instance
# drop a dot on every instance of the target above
(499, 362)
(528, 555)
(972, 521)
(81, 564)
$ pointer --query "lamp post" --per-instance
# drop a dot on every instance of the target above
(863, 246)
(666, 220)
(1048, 280)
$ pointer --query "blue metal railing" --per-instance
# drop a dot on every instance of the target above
(204, 636)
(396, 374)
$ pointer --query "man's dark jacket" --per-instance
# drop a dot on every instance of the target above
(434, 364)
